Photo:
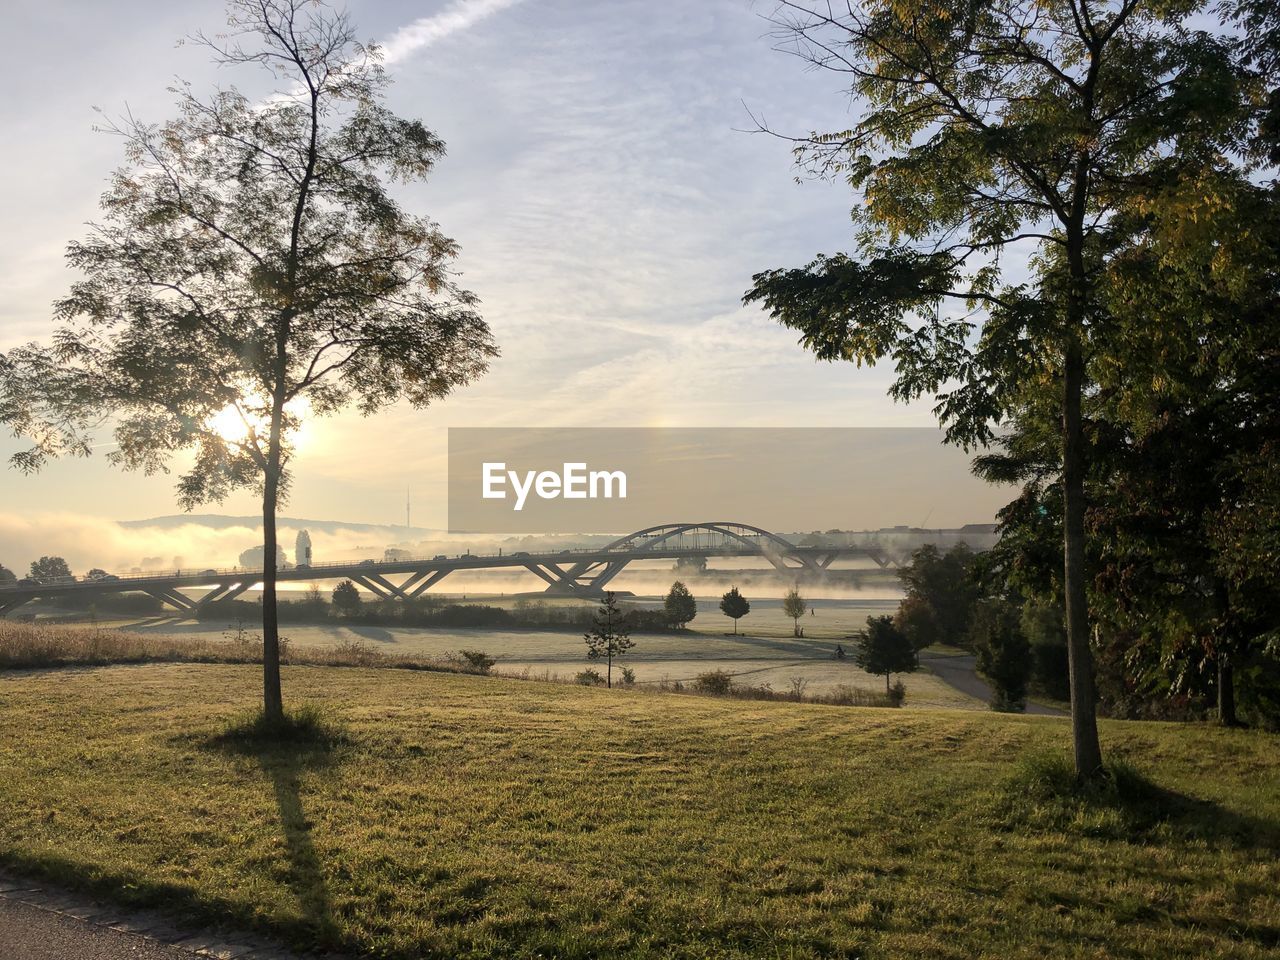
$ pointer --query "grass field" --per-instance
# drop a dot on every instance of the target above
(766, 653)
(448, 815)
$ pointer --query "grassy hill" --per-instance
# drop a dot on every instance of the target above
(465, 816)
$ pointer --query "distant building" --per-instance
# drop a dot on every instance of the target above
(302, 549)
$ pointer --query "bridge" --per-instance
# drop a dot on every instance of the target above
(584, 572)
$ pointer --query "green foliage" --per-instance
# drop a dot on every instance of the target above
(346, 599)
(940, 594)
(1004, 654)
(734, 605)
(795, 607)
(252, 264)
(49, 568)
(980, 126)
(715, 682)
(7, 575)
(679, 605)
(610, 635)
(916, 619)
(1041, 624)
(884, 650)
(589, 678)
(477, 660)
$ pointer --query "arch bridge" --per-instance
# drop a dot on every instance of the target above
(584, 572)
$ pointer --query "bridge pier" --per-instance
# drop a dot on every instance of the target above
(7, 605)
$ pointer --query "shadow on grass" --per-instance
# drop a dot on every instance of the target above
(304, 742)
(1126, 805)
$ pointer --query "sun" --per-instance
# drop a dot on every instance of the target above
(228, 424)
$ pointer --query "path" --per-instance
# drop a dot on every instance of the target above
(961, 672)
(39, 923)
(32, 933)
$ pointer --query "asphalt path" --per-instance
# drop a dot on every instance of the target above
(31, 933)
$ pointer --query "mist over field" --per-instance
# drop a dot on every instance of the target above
(198, 542)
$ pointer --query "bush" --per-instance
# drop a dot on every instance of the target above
(897, 694)
(628, 676)
(717, 682)
(589, 678)
(478, 660)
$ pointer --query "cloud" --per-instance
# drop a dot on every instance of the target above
(423, 32)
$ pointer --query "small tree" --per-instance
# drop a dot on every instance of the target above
(916, 619)
(884, 650)
(253, 268)
(46, 568)
(346, 599)
(7, 575)
(609, 636)
(735, 606)
(794, 606)
(680, 606)
(1004, 654)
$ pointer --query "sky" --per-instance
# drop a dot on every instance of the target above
(610, 205)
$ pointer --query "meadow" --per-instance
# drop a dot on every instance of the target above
(764, 653)
(442, 815)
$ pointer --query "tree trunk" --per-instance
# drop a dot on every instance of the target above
(1226, 692)
(1084, 721)
(608, 673)
(887, 690)
(272, 699)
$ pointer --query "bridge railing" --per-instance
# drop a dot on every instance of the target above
(227, 573)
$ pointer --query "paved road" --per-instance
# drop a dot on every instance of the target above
(961, 671)
(30, 933)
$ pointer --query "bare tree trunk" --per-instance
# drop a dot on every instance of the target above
(1084, 721)
(272, 699)
(1226, 692)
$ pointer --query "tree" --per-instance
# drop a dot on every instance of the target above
(679, 605)
(7, 575)
(346, 599)
(916, 619)
(884, 649)
(1004, 654)
(982, 125)
(49, 568)
(942, 584)
(734, 605)
(794, 606)
(609, 635)
(253, 269)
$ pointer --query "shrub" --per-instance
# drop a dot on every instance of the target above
(478, 660)
(628, 676)
(589, 678)
(897, 694)
(717, 682)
